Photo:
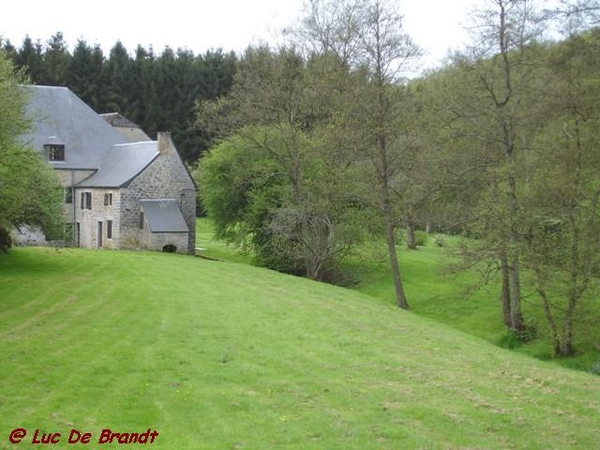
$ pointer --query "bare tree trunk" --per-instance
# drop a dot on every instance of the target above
(391, 242)
(576, 288)
(505, 292)
(551, 321)
(411, 242)
(428, 227)
(516, 314)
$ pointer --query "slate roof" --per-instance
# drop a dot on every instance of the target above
(121, 164)
(90, 142)
(117, 120)
(164, 216)
(57, 112)
(126, 127)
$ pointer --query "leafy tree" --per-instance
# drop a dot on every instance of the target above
(368, 38)
(495, 106)
(299, 213)
(29, 190)
(564, 192)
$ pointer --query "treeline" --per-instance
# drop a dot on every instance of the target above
(326, 144)
(158, 92)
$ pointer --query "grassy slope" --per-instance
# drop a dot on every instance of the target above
(220, 355)
(434, 292)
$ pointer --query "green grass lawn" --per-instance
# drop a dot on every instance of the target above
(208, 246)
(434, 291)
(219, 355)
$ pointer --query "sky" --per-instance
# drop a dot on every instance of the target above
(436, 25)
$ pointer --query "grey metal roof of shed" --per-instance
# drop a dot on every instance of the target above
(164, 216)
(56, 111)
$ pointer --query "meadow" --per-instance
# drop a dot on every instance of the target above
(223, 355)
(436, 290)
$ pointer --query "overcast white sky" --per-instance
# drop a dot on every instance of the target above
(436, 25)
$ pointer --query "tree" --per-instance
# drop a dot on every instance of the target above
(29, 190)
(215, 75)
(299, 213)
(84, 75)
(117, 75)
(576, 16)
(564, 193)
(498, 77)
(144, 109)
(30, 57)
(368, 38)
(56, 61)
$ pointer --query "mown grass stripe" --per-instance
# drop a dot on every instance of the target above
(219, 355)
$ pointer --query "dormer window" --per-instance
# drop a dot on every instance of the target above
(55, 152)
(54, 148)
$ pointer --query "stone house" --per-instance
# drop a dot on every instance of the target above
(122, 190)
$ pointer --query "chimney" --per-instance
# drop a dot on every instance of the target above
(164, 142)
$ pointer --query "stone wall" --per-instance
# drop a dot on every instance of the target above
(88, 219)
(165, 178)
(157, 241)
(68, 178)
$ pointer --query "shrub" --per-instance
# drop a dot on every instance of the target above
(595, 368)
(515, 339)
(421, 238)
(439, 240)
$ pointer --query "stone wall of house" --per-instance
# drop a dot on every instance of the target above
(73, 214)
(165, 178)
(68, 178)
(88, 219)
(158, 241)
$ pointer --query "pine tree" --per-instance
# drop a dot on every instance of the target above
(84, 75)
(117, 78)
(30, 57)
(56, 59)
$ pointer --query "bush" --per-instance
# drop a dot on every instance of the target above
(510, 340)
(439, 240)
(515, 339)
(595, 368)
(421, 238)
